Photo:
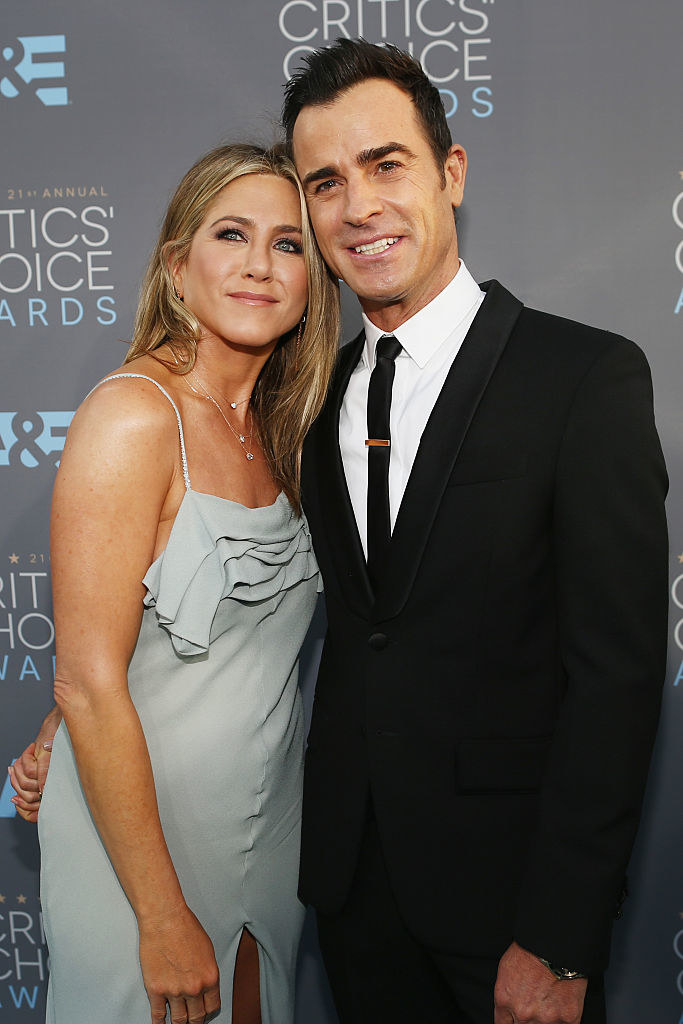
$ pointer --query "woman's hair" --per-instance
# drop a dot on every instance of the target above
(291, 387)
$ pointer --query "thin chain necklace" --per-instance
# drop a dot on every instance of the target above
(241, 438)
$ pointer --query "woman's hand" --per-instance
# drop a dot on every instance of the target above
(29, 771)
(179, 968)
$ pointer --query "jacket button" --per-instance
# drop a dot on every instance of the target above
(378, 641)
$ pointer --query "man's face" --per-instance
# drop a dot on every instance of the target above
(381, 212)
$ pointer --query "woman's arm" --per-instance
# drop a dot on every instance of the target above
(112, 490)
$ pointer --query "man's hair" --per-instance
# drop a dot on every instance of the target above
(332, 70)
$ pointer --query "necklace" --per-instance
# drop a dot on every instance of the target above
(233, 405)
(242, 438)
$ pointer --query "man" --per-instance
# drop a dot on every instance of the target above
(491, 533)
(494, 555)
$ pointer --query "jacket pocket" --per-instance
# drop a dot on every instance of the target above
(506, 765)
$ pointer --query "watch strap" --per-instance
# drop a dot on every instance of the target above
(561, 973)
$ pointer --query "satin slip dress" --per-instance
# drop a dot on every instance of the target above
(214, 680)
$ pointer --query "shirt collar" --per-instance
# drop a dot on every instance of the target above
(425, 332)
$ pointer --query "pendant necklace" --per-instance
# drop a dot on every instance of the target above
(245, 440)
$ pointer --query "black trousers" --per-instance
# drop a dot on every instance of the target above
(379, 973)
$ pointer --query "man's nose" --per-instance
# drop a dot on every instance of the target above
(361, 202)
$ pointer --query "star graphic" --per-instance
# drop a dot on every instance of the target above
(21, 898)
(681, 173)
(14, 559)
(2, 898)
(681, 914)
(680, 558)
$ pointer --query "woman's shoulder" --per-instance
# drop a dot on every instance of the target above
(142, 393)
(121, 457)
(127, 411)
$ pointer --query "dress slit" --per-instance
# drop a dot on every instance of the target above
(246, 984)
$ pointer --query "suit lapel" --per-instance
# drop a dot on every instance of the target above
(441, 442)
(338, 519)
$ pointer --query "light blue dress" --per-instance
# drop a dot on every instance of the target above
(214, 681)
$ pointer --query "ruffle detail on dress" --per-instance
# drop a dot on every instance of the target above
(220, 549)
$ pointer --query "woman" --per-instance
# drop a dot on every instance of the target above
(184, 581)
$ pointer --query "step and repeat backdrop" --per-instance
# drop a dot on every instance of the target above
(571, 114)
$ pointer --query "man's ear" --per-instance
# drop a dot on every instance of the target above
(455, 170)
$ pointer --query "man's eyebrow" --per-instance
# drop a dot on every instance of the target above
(320, 175)
(365, 157)
(368, 156)
(249, 223)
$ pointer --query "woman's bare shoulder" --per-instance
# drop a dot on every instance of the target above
(126, 419)
(130, 399)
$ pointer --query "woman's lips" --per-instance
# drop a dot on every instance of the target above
(253, 298)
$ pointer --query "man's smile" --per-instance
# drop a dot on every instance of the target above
(376, 246)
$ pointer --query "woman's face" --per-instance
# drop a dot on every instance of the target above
(245, 276)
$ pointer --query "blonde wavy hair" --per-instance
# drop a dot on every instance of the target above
(291, 387)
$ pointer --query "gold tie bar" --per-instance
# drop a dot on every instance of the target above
(376, 442)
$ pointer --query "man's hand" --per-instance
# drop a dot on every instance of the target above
(528, 993)
(29, 771)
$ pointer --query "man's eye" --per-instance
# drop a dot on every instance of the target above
(325, 186)
(388, 165)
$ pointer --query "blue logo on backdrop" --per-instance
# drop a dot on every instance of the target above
(7, 808)
(26, 67)
(32, 439)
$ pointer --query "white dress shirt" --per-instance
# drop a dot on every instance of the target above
(430, 342)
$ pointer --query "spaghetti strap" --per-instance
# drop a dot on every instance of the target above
(183, 454)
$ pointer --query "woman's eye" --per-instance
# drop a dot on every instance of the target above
(230, 235)
(289, 245)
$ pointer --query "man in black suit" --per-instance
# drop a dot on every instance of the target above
(493, 547)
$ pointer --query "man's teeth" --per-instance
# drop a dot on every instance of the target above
(374, 247)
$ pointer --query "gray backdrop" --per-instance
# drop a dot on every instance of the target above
(571, 116)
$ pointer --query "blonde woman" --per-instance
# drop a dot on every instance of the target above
(184, 581)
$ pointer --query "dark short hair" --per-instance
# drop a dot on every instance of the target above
(332, 70)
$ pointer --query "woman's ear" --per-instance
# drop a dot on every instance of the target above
(177, 277)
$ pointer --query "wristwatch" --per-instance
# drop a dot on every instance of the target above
(561, 973)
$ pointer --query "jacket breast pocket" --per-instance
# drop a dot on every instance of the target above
(501, 765)
(488, 467)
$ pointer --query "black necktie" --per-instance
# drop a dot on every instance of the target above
(379, 448)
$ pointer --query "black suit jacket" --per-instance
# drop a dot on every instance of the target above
(498, 696)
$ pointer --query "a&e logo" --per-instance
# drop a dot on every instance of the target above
(36, 439)
(23, 66)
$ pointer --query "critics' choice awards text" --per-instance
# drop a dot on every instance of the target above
(450, 38)
(55, 265)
